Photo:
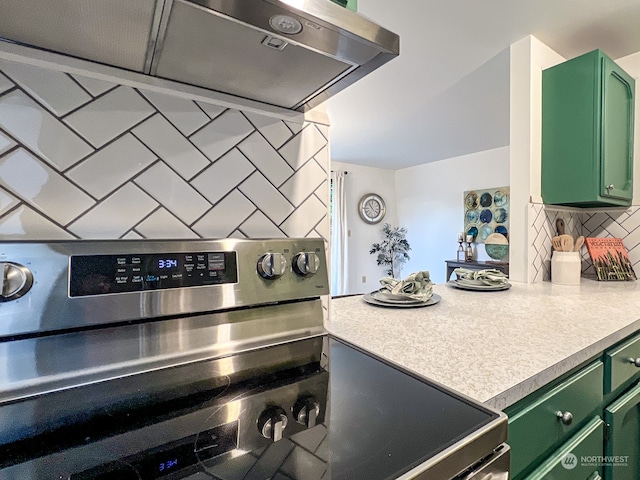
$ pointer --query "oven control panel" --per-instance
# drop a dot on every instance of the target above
(103, 274)
(58, 285)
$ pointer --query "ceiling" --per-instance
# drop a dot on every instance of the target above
(384, 120)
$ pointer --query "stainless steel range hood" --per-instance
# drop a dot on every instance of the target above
(289, 53)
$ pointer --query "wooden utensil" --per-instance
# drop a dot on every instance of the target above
(567, 243)
(560, 226)
(579, 243)
(556, 243)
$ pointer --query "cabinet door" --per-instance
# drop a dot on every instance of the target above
(622, 445)
(617, 132)
(620, 366)
(577, 459)
(536, 429)
(587, 133)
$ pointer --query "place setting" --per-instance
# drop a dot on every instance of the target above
(414, 291)
(487, 280)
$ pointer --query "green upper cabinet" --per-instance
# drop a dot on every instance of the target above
(587, 133)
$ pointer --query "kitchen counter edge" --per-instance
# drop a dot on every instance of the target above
(495, 347)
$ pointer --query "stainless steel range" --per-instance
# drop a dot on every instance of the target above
(208, 359)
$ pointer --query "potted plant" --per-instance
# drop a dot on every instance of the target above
(393, 250)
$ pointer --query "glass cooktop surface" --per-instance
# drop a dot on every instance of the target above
(351, 417)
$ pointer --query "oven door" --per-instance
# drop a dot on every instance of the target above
(495, 467)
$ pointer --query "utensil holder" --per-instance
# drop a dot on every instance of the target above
(565, 268)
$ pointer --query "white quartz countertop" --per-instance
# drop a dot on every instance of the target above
(496, 347)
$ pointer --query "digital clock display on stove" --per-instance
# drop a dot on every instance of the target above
(165, 263)
(168, 465)
(105, 274)
(164, 461)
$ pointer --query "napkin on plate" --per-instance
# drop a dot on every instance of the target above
(417, 286)
(489, 276)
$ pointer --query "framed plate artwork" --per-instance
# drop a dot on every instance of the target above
(486, 212)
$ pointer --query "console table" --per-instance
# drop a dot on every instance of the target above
(476, 265)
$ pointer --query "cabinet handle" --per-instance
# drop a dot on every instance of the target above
(635, 361)
(565, 417)
(610, 187)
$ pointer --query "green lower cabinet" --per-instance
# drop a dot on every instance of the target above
(577, 459)
(535, 429)
(619, 371)
(622, 446)
(585, 426)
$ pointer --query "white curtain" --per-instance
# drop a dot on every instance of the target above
(338, 235)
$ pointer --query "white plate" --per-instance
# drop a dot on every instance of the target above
(385, 295)
(478, 287)
(368, 298)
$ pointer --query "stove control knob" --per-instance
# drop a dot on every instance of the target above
(15, 281)
(272, 265)
(306, 263)
(272, 423)
(306, 411)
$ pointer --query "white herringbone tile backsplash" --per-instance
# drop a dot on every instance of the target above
(615, 223)
(82, 158)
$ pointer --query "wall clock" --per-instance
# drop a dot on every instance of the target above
(372, 208)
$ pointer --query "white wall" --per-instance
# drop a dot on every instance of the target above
(430, 204)
(427, 200)
(529, 57)
(359, 181)
(429, 196)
